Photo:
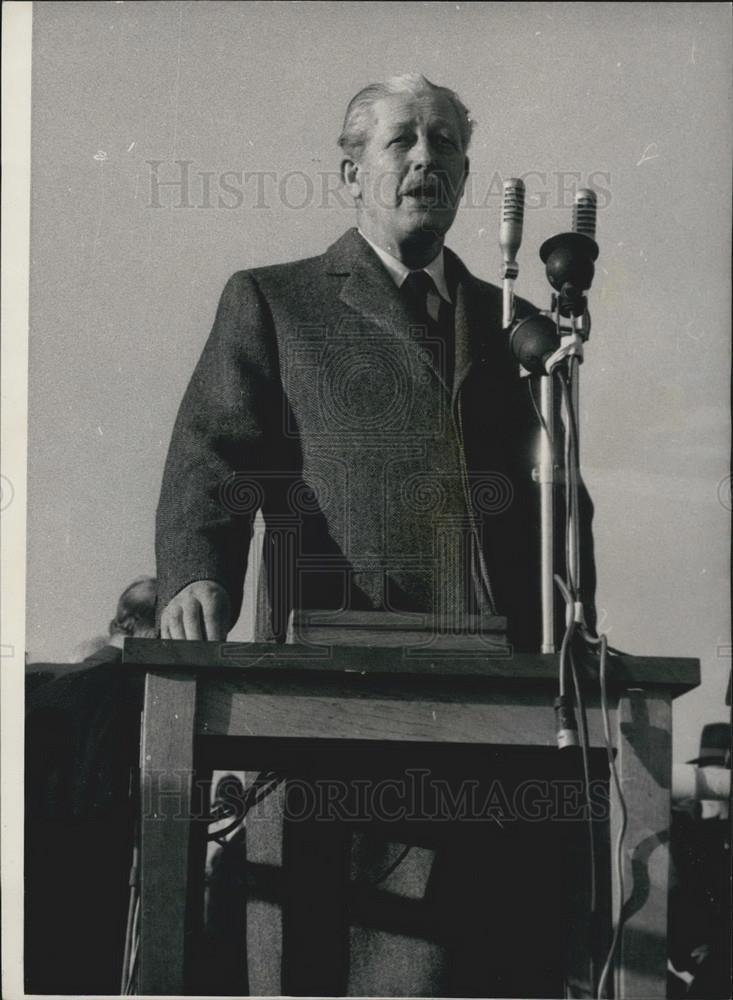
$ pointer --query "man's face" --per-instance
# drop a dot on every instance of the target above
(411, 172)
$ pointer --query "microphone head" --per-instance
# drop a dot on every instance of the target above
(584, 213)
(512, 218)
(533, 340)
(512, 204)
(569, 261)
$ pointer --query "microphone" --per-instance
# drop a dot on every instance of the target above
(584, 213)
(569, 258)
(533, 341)
(512, 221)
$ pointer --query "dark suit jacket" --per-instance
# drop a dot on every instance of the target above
(316, 402)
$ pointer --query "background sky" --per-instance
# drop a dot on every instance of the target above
(633, 99)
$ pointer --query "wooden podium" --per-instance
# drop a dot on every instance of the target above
(231, 696)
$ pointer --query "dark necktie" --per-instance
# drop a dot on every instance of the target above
(439, 340)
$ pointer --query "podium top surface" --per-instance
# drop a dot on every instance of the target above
(493, 663)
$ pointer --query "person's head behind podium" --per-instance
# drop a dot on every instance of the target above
(135, 614)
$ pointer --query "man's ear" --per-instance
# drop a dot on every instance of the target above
(466, 169)
(351, 176)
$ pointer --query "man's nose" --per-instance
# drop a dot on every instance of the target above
(422, 152)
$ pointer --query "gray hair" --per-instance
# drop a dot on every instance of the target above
(136, 609)
(355, 130)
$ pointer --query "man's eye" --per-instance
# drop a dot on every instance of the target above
(445, 140)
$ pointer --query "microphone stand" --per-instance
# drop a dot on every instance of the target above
(570, 265)
(510, 238)
(549, 346)
(507, 301)
(565, 361)
(546, 480)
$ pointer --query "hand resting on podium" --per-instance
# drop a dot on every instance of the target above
(200, 610)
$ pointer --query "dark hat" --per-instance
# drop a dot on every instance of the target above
(715, 743)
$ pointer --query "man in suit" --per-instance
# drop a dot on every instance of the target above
(367, 403)
(381, 428)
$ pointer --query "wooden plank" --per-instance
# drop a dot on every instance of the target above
(675, 674)
(166, 770)
(379, 621)
(416, 631)
(413, 642)
(264, 903)
(644, 764)
(226, 710)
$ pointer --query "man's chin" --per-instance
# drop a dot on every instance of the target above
(435, 221)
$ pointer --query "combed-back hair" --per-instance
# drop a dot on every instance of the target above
(357, 121)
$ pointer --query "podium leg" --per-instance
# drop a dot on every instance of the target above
(644, 763)
(167, 773)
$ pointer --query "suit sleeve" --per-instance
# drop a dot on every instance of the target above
(225, 429)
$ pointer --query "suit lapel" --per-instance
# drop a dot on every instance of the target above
(476, 317)
(370, 291)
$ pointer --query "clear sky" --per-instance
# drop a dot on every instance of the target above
(633, 99)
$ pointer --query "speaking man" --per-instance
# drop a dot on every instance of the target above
(366, 402)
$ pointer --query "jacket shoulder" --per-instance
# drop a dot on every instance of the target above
(275, 280)
(288, 270)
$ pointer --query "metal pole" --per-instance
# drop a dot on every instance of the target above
(507, 302)
(547, 512)
(571, 475)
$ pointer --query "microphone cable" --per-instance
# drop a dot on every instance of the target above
(567, 658)
(264, 784)
(619, 871)
(602, 643)
(574, 629)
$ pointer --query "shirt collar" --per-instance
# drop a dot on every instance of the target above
(399, 271)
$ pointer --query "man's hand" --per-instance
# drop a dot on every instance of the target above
(199, 611)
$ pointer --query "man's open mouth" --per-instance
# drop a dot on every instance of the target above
(423, 192)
